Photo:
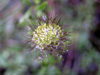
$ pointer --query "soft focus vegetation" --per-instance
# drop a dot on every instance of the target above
(80, 18)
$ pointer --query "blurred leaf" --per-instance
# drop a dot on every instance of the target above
(27, 2)
(25, 19)
(41, 6)
(37, 1)
(42, 71)
(52, 70)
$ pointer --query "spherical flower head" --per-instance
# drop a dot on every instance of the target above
(45, 34)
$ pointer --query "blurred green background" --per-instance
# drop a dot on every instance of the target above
(17, 57)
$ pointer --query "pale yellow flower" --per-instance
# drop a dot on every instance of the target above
(47, 34)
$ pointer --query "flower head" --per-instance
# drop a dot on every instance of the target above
(45, 34)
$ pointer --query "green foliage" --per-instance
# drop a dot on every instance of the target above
(41, 6)
(26, 2)
(18, 58)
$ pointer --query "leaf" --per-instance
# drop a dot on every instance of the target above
(42, 6)
(37, 1)
(27, 2)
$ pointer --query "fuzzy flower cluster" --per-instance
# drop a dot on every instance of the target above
(45, 34)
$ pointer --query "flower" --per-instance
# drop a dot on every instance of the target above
(45, 34)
